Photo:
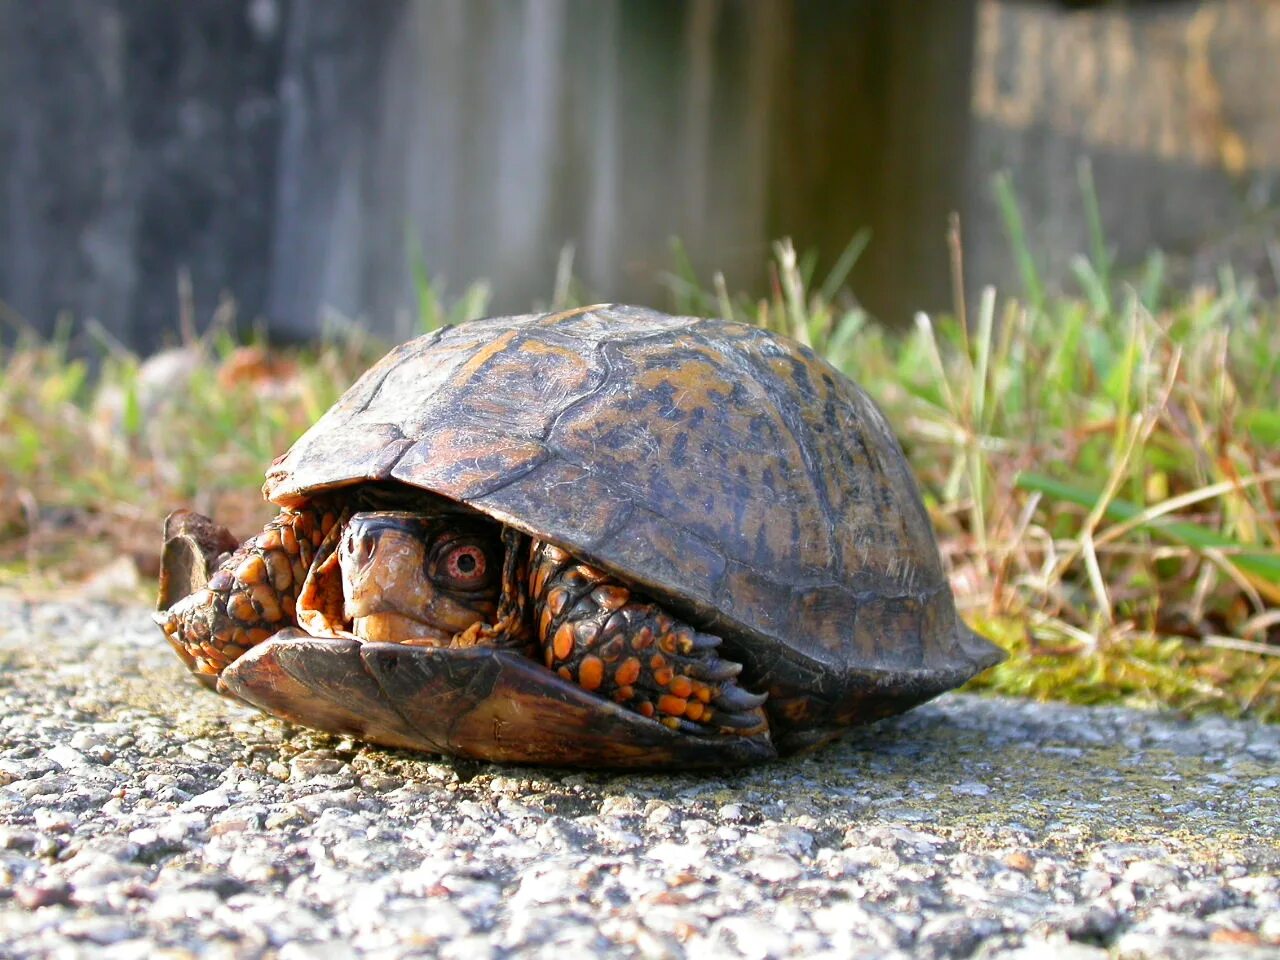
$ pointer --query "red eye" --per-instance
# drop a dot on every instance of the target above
(465, 564)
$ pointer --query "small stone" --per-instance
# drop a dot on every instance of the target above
(45, 893)
(1256, 885)
(229, 825)
(251, 867)
(289, 816)
(951, 935)
(678, 855)
(661, 813)
(66, 757)
(54, 821)
(1269, 929)
(1170, 925)
(1146, 946)
(1094, 883)
(174, 906)
(468, 947)
(85, 740)
(312, 950)
(1198, 899)
(1236, 938)
(791, 840)
(1149, 873)
(13, 838)
(145, 836)
(1019, 860)
(749, 938)
(1056, 950)
(774, 867)
(380, 783)
(304, 766)
(1086, 923)
(100, 930)
(216, 799)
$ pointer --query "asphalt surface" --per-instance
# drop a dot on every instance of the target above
(141, 816)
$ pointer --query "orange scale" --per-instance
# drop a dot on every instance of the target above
(675, 706)
(591, 673)
(628, 672)
(562, 644)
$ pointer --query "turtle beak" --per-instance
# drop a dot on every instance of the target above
(381, 557)
(359, 546)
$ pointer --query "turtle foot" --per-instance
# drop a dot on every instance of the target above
(194, 545)
(484, 703)
(595, 633)
(216, 599)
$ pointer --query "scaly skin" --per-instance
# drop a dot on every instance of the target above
(596, 634)
(592, 630)
(250, 596)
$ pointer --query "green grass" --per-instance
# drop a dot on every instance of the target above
(1103, 470)
(1102, 464)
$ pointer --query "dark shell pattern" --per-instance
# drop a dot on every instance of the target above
(729, 472)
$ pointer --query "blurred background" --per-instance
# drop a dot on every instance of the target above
(305, 158)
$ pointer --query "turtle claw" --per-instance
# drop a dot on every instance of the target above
(705, 641)
(711, 670)
(737, 700)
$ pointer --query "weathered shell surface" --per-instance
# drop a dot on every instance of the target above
(730, 472)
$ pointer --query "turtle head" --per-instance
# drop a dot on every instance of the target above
(410, 577)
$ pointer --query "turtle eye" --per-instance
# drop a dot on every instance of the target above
(465, 565)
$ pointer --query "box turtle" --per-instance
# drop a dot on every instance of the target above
(601, 537)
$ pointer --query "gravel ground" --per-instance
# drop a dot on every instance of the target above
(142, 816)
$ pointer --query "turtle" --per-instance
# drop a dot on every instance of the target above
(599, 537)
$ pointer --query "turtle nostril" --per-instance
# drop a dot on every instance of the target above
(361, 547)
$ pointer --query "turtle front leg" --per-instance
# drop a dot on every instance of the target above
(251, 594)
(596, 634)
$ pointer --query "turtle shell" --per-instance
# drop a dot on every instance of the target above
(729, 472)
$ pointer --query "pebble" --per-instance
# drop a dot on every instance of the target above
(951, 935)
(774, 867)
(32, 896)
(66, 757)
(1055, 950)
(1149, 873)
(1269, 929)
(141, 816)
